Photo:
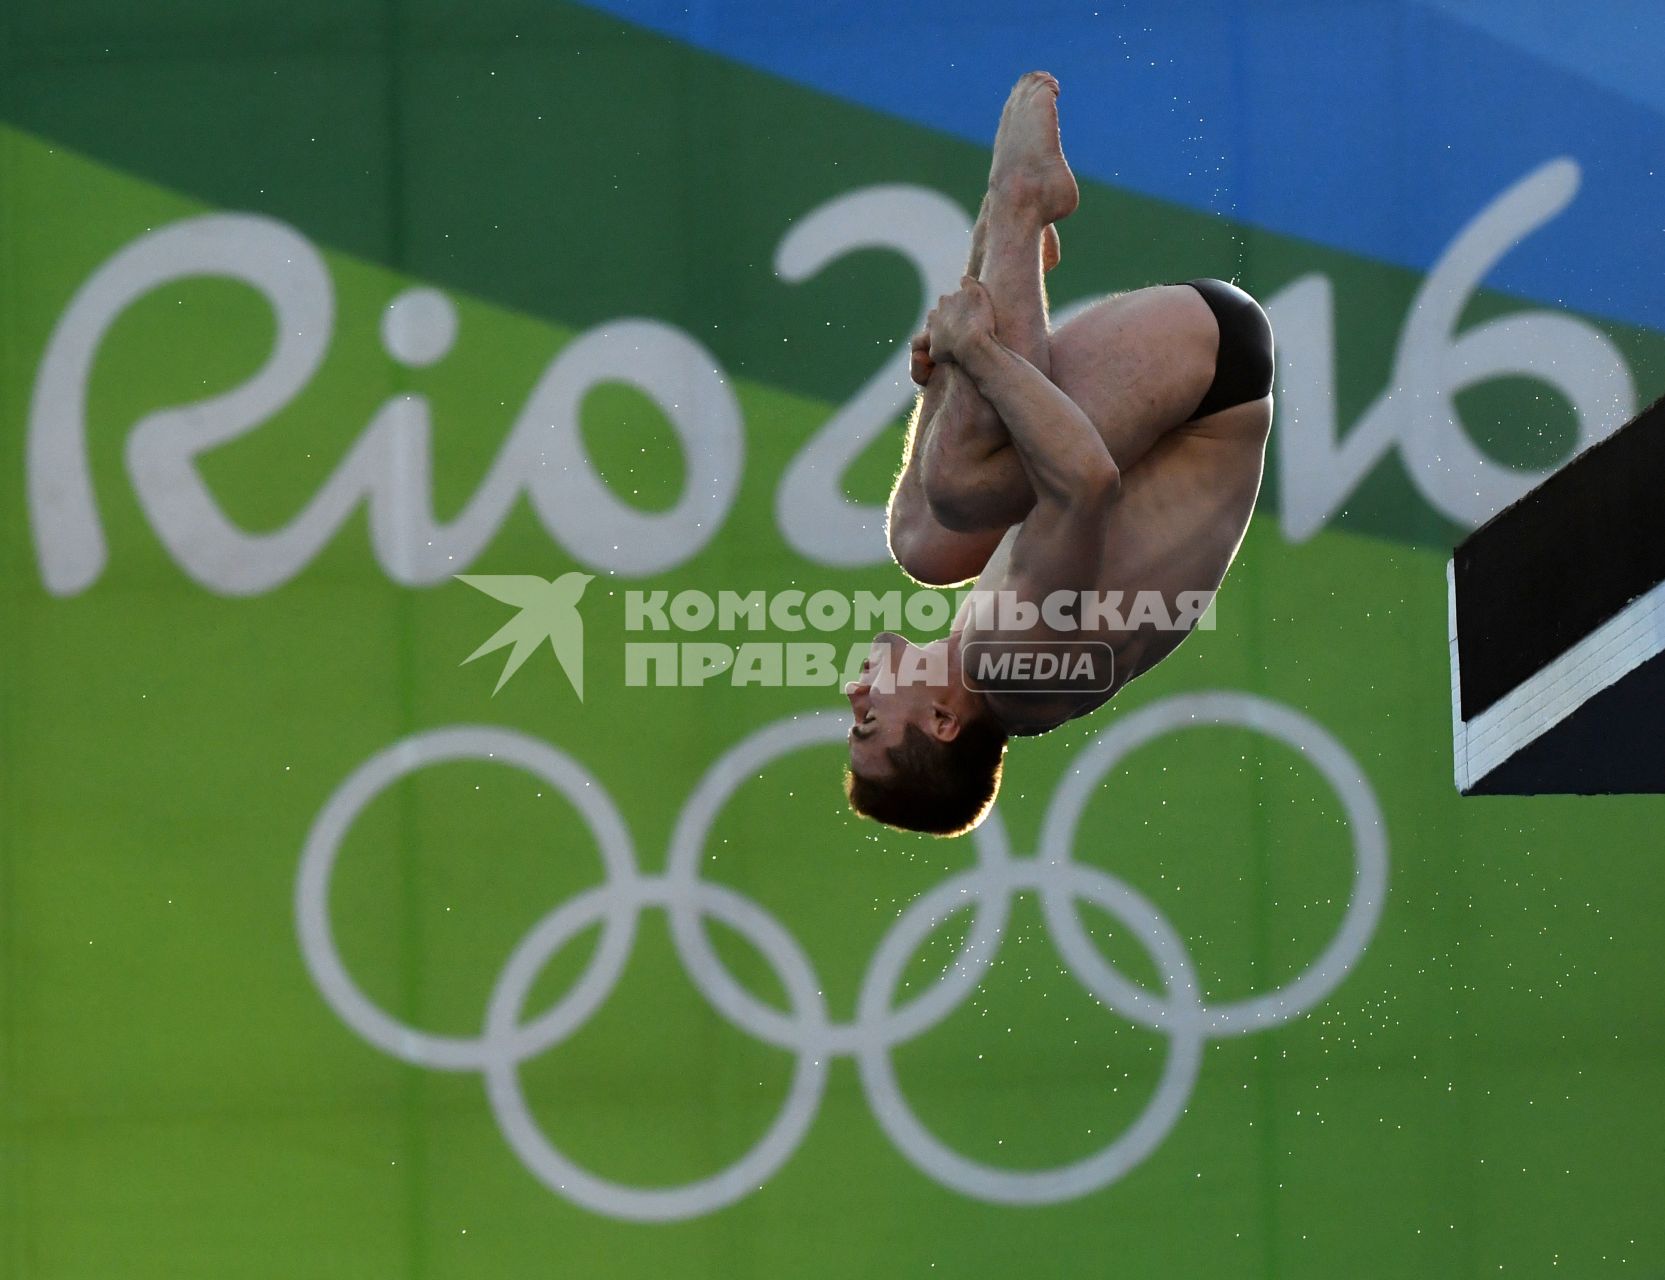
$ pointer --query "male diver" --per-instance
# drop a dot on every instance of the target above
(1120, 454)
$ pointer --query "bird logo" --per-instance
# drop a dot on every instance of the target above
(547, 610)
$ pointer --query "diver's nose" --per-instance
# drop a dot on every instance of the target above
(863, 683)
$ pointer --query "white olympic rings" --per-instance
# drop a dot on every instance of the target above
(807, 1030)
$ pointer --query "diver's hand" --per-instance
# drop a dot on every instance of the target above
(959, 321)
(920, 364)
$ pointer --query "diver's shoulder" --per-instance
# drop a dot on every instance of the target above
(1026, 715)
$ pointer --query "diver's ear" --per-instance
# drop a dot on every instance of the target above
(945, 722)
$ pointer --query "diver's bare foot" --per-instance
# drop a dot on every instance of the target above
(1029, 167)
(1052, 249)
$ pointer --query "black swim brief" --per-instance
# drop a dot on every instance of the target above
(1243, 369)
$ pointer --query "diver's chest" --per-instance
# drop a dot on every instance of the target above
(996, 572)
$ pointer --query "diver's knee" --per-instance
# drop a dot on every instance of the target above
(956, 501)
(980, 504)
(950, 509)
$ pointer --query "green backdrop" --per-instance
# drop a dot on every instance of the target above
(207, 640)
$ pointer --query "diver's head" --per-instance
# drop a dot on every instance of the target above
(925, 752)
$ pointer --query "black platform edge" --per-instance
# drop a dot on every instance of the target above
(1557, 563)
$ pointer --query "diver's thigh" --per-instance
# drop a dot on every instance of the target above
(1137, 364)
